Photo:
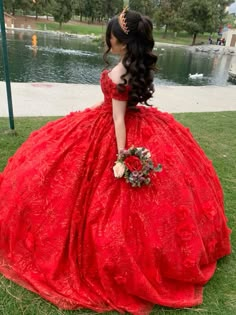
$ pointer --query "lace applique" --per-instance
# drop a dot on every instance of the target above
(110, 89)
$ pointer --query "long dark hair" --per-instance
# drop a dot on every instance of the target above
(139, 60)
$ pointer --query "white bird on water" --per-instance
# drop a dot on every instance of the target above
(195, 76)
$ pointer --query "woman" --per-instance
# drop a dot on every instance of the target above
(81, 237)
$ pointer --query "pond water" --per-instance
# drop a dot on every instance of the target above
(66, 59)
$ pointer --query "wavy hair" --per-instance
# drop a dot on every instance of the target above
(139, 59)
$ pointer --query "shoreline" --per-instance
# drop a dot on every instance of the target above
(29, 23)
(205, 48)
(59, 99)
(56, 33)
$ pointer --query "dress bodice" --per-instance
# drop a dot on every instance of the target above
(110, 91)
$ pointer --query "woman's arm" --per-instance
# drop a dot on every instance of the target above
(118, 113)
(119, 109)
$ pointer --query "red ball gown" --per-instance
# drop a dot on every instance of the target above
(81, 238)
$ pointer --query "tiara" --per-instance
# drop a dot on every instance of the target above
(122, 20)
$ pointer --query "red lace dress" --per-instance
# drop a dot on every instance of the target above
(81, 238)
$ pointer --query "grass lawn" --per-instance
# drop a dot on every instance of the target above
(83, 28)
(216, 134)
(181, 38)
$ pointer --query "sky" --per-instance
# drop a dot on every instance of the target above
(232, 8)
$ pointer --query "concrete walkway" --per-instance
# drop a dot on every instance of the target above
(59, 99)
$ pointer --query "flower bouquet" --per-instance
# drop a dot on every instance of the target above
(135, 165)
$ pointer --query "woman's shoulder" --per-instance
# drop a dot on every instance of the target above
(116, 73)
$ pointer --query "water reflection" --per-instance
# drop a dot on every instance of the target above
(177, 63)
(34, 44)
(57, 58)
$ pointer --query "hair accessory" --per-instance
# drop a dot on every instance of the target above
(122, 20)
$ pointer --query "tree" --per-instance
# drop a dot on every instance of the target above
(168, 14)
(222, 4)
(79, 7)
(11, 5)
(147, 7)
(230, 19)
(25, 5)
(39, 6)
(48, 7)
(93, 8)
(62, 11)
(202, 15)
(113, 7)
(98, 9)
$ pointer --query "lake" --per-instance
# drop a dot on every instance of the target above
(68, 59)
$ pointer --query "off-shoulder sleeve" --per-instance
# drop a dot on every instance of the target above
(120, 96)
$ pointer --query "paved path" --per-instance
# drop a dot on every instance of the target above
(59, 99)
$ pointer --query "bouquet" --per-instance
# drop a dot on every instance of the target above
(135, 165)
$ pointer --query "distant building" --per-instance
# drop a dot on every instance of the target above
(230, 37)
(9, 20)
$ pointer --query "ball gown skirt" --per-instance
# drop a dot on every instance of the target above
(81, 238)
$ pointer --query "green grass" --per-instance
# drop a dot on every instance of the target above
(182, 38)
(83, 29)
(216, 134)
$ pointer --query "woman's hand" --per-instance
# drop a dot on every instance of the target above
(119, 169)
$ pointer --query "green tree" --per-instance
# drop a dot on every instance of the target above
(11, 5)
(90, 9)
(79, 7)
(62, 11)
(100, 9)
(201, 16)
(113, 7)
(229, 19)
(39, 6)
(168, 15)
(48, 7)
(222, 4)
(25, 5)
(147, 7)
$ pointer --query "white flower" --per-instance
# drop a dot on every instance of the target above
(119, 169)
(144, 150)
(148, 154)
